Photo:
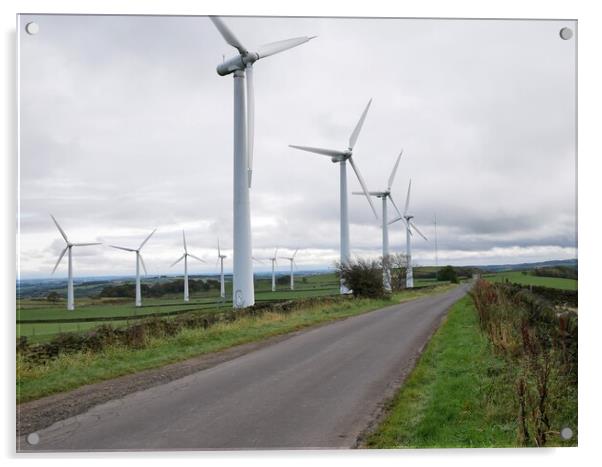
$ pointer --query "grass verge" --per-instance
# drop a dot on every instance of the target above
(458, 395)
(71, 371)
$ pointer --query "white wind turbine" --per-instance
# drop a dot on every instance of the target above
(342, 156)
(407, 218)
(185, 258)
(274, 265)
(220, 259)
(139, 261)
(67, 249)
(292, 261)
(384, 195)
(244, 115)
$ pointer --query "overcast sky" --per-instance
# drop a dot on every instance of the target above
(126, 126)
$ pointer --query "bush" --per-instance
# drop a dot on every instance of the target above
(541, 345)
(363, 277)
(53, 297)
(448, 273)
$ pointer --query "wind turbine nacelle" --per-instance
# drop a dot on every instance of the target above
(341, 158)
(236, 63)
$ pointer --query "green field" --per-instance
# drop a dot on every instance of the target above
(69, 371)
(528, 279)
(89, 307)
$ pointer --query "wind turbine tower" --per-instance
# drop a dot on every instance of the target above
(241, 67)
(68, 249)
(274, 265)
(185, 258)
(292, 261)
(384, 196)
(341, 157)
(409, 224)
(220, 260)
(139, 261)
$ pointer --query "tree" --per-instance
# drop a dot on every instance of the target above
(53, 297)
(398, 263)
(364, 277)
(447, 273)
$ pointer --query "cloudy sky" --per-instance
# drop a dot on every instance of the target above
(125, 126)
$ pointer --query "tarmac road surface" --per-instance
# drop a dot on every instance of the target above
(317, 389)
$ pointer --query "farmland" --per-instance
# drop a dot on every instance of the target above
(40, 320)
(524, 278)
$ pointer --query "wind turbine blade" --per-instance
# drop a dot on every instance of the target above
(184, 239)
(322, 151)
(395, 206)
(60, 229)
(392, 176)
(257, 259)
(177, 261)
(86, 244)
(146, 239)
(275, 253)
(280, 46)
(219, 252)
(122, 248)
(371, 193)
(417, 231)
(142, 263)
(363, 184)
(397, 219)
(60, 258)
(295, 253)
(358, 127)
(405, 211)
(197, 258)
(228, 35)
(250, 122)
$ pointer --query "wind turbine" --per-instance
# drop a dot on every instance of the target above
(292, 260)
(384, 195)
(185, 258)
(274, 265)
(436, 245)
(139, 261)
(244, 129)
(407, 218)
(67, 249)
(342, 156)
(220, 259)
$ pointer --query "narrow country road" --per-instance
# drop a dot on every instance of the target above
(318, 389)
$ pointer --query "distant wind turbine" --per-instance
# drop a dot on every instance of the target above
(220, 260)
(292, 261)
(244, 129)
(384, 195)
(185, 258)
(342, 156)
(67, 249)
(407, 218)
(274, 265)
(139, 261)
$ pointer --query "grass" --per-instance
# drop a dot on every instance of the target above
(71, 371)
(456, 396)
(528, 279)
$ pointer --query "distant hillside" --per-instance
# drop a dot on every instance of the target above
(520, 266)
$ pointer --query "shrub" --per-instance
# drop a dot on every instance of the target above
(541, 345)
(363, 277)
(447, 273)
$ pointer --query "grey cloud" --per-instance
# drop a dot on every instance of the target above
(126, 126)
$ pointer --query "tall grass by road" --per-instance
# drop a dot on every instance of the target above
(499, 374)
(69, 371)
